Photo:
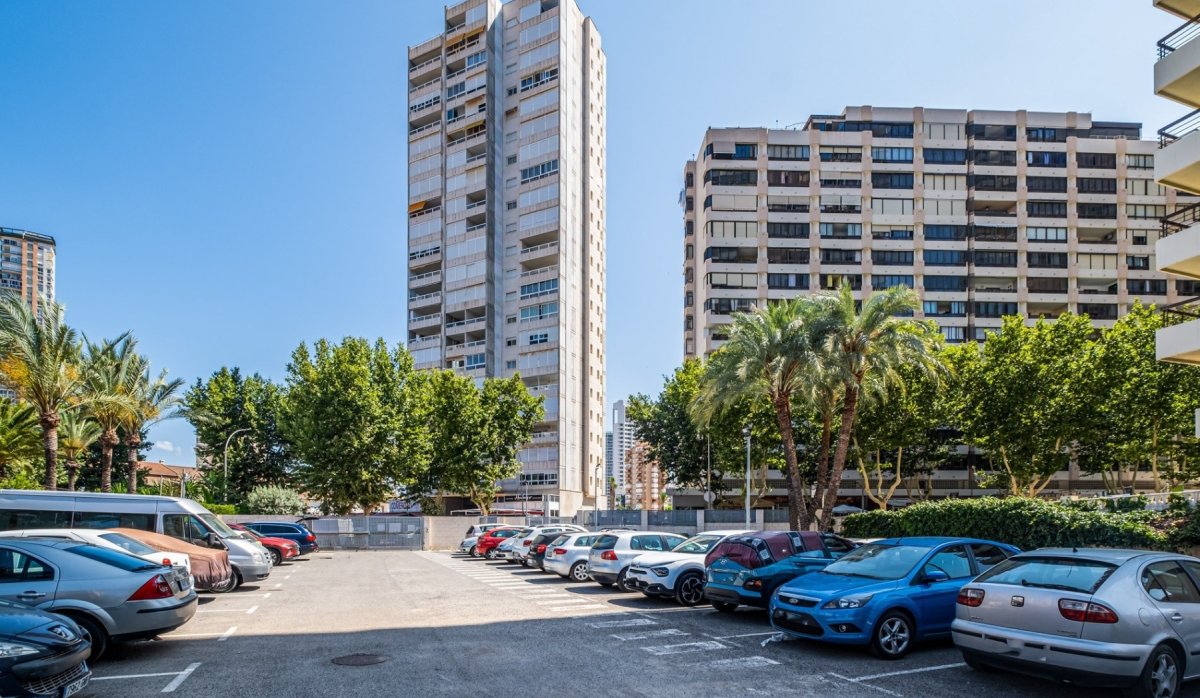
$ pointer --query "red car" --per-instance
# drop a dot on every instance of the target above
(486, 545)
(280, 548)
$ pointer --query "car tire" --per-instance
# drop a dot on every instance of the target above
(276, 557)
(95, 633)
(606, 585)
(977, 665)
(724, 606)
(473, 552)
(689, 589)
(226, 586)
(490, 554)
(1160, 677)
(621, 578)
(893, 636)
(579, 572)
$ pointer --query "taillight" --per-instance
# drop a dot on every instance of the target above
(155, 588)
(541, 549)
(166, 562)
(309, 538)
(560, 551)
(753, 585)
(525, 543)
(608, 555)
(970, 597)
(1086, 612)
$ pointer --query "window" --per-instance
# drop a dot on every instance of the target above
(185, 527)
(892, 207)
(836, 256)
(545, 122)
(832, 281)
(537, 149)
(987, 556)
(1046, 209)
(953, 561)
(892, 257)
(731, 202)
(840, 180)
(1087, 260)
(539, 101)
(95, 519)
(539, 311)
(1150, 211)
(1097, 210)
(1036, 234)
(747, 255)
(1096, 161)
(720, 279)
(788, 281)
(1144, 187)
(1166, 582)
(16, 566)
(943, 131)
(1187, 287)
(993, 233)
(945, 207)
(731, 178)
(994, 309)
(840, 153)
(1047, 260)
(883, 281)
(992, 132)
(537, 196)
(539, 30)
(883, 231)
(946, 182)
(945, 283)
(954, 334)
(1046, 284)
(995, 258)
(1003, 158)
(945, 258)
(1039, 158)
(1138, 261)
(945, 156)
(1046, 135)
(1054, 185)
(745, 151)
(725, 306)
(1096, 185)
(545, 169)
(944, 308)
(538, 79)
(540, 338)
(787, 178)
(945, 232)
(787, 152)
(892, 154)
(539, 288)
(892, 180)
(838, 230)
(1146, 287)
(1099, 311)
(741, 229)
(786, 255)
(1140, 162)
(787, 204)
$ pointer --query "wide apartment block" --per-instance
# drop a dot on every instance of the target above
(1177, 77)
(506, 225)
(27, 265)
(983, 213)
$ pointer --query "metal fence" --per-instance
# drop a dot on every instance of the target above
(362, 532)
(618, 517)
(678, 517)
(727, 516)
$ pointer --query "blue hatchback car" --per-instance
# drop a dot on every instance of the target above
(887, 594)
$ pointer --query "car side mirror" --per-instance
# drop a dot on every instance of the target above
(933, 576)
(214, 541)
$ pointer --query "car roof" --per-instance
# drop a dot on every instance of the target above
(1113, 555)
(933, 541)
(42, 542)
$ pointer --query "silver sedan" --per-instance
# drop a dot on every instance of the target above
(1094, 617)
(110, 594)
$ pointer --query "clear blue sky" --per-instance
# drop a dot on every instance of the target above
(227, 179)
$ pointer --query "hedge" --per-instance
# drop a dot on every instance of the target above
(1023, 522)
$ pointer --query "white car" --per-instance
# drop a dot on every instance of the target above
(519, 552)
(609, 558)
(112, 540)
(468, 544)
(567, 555)
(678, 574)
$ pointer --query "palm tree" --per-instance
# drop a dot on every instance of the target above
(39, 360)
(866, 348)
(108, 394)
(20, 440)
(153, 401)
(76, 435)
(769, 355)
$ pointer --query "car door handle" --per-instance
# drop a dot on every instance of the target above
(1178, 617)
(31, 595)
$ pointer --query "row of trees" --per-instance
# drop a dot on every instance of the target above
(824, 386)
(73, 396)
(353, 425)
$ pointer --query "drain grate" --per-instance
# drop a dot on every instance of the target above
(360, 659)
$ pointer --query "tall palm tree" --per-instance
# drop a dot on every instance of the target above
(154, 399)
(39, 360)
(20, 437)
(769, 354)
(865, 348)
(76, 434)
(109, 376)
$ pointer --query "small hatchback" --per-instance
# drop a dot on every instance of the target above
(678, 574)
(567, 555)
(490, 540)
(747, 569)
(41, 654)
(611, 554)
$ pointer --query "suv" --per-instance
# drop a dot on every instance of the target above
(297, 532)
(748, 569)
(567, 555)
(473, 532)
(678, 574)
(520, 545)
(609, 558)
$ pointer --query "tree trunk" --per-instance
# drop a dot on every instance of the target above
(108, 439)
(72, 474)
(797, 505)
(49, 423)
(132, 443)
(822, 461)
(829, 496)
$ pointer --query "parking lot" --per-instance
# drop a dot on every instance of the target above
(442, 624)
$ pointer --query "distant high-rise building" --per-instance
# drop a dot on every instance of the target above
(624, 438)
(27, 265)
(644, 483)
(506, 224)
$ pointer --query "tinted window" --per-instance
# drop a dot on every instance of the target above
(585, 541)
(988, 555)
(559, 540)
(99, 519)
(12, 519)
(505, 533)
(16, 566)
(133, 546)
(646, 543)
(697, 544)
(953, 561)
(838, 546)
(114, 558)
(879, 561)
(184, 527)
(605, 543)
(1084, 576)
(669, 542)
(1166, 581)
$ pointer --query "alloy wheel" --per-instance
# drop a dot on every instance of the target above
(579, 572)
(894, 635)
(1164, 677)
(691, 590)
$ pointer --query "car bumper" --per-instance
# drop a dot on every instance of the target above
(729, 594)
(558, 566)
(604, 578)
(1059, 658)
(254, 573)
(138, 620)
(48, 676)
(840, 626)
(649, 587)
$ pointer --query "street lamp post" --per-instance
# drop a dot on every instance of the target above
(227, 440)
(746, 433)
(708, 493)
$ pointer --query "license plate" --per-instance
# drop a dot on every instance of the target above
(75, 686)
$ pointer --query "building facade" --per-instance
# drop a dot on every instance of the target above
(1177, 77)
(983, 213)
(506, 224)
(624, 438)
(645, 487)
(27, 266)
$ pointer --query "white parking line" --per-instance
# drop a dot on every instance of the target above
(858, 682)
(227, 634)
(940, 667)
(252, 609)
(172, 636)
(222, 610)
(279, 585)
(170, 688)
(730, 637)
(739, 663)
(649, 634)
(136, 676)
(632, 622)
(563, 601)
(704, 646)
(572, 610)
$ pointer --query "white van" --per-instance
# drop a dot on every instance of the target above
(172, 516)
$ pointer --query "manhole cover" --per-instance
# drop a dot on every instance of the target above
(360, 659)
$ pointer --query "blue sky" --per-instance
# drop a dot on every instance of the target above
(227, 179)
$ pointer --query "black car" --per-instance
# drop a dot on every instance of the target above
(537, 549)
(41, 654)
(292, 531)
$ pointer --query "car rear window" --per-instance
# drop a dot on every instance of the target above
(605, 543)
(741, 551)
(1065, 574)
(113, 558)
(129, 544)
(560, 540)
(504, 533)
(585, 541)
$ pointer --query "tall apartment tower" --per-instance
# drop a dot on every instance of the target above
(983, 213)
(623, 441)
(506, 225)
(27, 265)
(1177, 77)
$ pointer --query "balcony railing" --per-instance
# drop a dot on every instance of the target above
(1178, 38)
(1188, 309)
(415, 319)
(464, 323)
(542, 270)
(1183, 218)
(1178, 128)
(416, 280)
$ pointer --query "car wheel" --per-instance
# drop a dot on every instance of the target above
(490, 554)
(724, 606)
(579, 572)
(689, 589)
(473, 552)
(893, 635)
(95, 634)
(276, 558)
(228, 585)
(1160, 677)
(977, 665)
(621, 579)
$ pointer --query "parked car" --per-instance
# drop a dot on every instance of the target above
(473, 532)
(567, 555)
(504, 551)
(281, 549)
(41, 653)
(678, 574)
(490, 540)
(111, 595)
(611, 554)
(538, 546)
(1120, 618)
(746, 570)
(888, 594)
(296, 532)
(211, 570)
(108, 538)
(521, 543)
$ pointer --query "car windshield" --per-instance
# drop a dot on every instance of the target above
(113, 558)
(504, 533)
(1063, 574)
(697, 545)
(127, 543)
(219, 526)
(249, 533)
(879, 561)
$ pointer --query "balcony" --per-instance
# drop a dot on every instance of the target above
(1178, 161)
(423, 71)
(1184, 9)
(1180, 343)
(416, 322)
(542, 251)
(425, 300)
(1177, 72)
(1179, 252)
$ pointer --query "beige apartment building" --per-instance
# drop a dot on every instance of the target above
(506, 224)
(645, 485)
(983, 213)
(27, 265)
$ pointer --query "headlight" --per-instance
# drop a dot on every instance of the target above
(849, 602)
(16, 649)
(660, 571)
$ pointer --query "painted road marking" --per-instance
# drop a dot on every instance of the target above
(573, 610)
(227, 634)
(940, 667)
(136, 676)
(859, 682)
(738, 663)
(223, 610)
(730, 637)
(632, 622)
(649, 634)
(279, 585)
(562, 601)
(252, 609)
(704, 646)
(183, 675)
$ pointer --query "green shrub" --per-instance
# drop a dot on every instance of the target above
(222, 509)
(1126, 504)
(274, 500)
(1023, 522)
(1177, 504)
(1187, 533)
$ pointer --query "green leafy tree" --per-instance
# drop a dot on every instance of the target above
(151, 399)
(76, 434)
(20, 439)
(39, 360)
(274, 500)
